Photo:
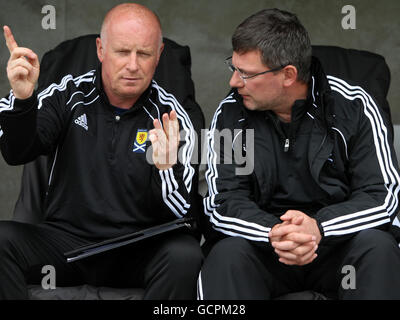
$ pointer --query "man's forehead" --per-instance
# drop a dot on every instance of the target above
(134, 31)
(247, 58)
(133, 40)
(132, 44)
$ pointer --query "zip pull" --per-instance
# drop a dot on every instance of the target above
(287, 145)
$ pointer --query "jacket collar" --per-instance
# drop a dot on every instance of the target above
(321, 84)
(321, 94)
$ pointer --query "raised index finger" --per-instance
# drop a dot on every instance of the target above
(10, 41)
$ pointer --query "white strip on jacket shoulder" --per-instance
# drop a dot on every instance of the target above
(371, 217)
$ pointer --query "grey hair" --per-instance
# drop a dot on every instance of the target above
(280, 37)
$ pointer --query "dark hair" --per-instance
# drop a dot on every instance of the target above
(280, 37)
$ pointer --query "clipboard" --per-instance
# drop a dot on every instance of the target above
(103, 246)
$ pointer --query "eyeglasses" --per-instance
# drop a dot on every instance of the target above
(243, 76)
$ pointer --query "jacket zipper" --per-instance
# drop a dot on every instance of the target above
(117, 119)
(286, 140)
(287, 145)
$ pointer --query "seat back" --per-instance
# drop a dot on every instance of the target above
(359, 68)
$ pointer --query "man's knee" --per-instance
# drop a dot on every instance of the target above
(375, 245)
(231, 252)
(375, 258)
(10, 233)
(375, 240)
(182, 252)
(13, 240)
(236, 268)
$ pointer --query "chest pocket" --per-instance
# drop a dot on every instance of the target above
(334, 175)
(338, 159)
(265, 166)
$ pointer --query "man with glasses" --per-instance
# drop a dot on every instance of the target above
(324, 190)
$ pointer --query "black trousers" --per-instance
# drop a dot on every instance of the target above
(166, 267)
(238, 269)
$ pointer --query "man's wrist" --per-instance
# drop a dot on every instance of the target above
(320, 230)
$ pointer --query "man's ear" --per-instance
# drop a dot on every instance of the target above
(160, 52)
(99, 47)
(290, 75)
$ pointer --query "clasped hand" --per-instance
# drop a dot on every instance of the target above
(295, 240)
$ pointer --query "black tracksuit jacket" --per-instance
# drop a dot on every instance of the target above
(101, 184)
(342, 152)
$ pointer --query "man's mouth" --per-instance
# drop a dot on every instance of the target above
(131, 79)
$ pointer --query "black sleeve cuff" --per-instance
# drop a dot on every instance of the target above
(22, 106)
(321, 231)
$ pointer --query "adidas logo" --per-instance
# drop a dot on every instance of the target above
(82, 121)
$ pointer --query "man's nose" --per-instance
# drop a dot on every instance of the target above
(132, 64)
(236, 81)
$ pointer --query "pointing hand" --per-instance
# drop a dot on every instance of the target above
(22, 68)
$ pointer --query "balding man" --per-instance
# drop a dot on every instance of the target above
(101, 184)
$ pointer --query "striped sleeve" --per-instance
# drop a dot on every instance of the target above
(228, 204)
(31, 127)
(375, 178)
(176, 182)
(7, 103)
(173, 197)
